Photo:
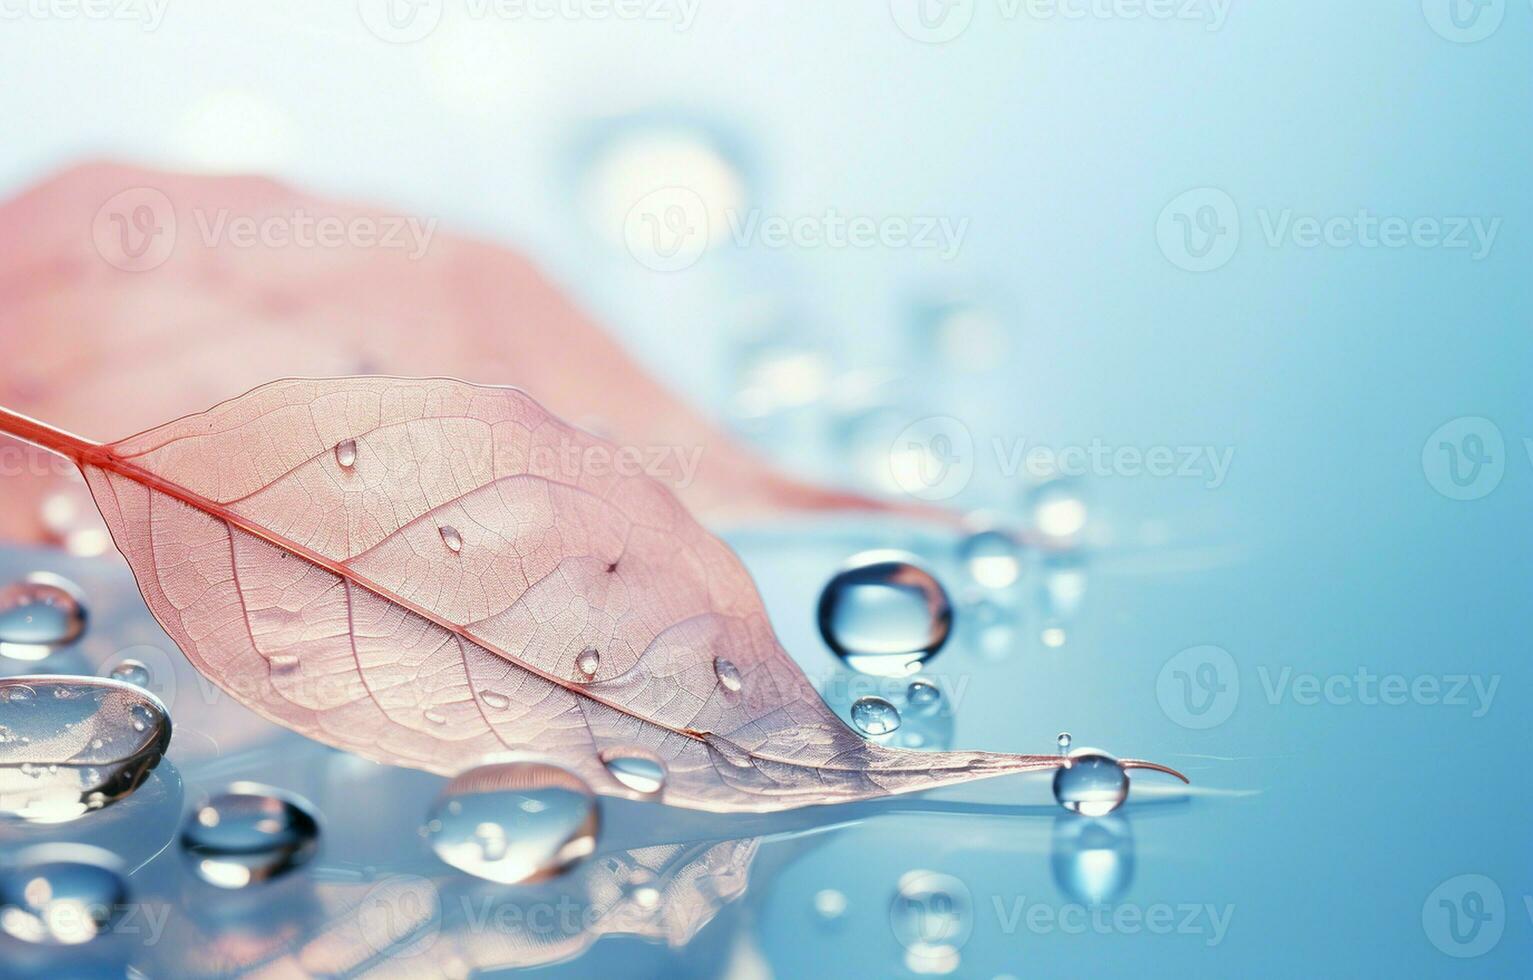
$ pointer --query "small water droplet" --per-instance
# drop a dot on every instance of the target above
(75, 737)
(346, 453)
(1064, 743)
(1056, 509)
(992, 558)
(451, 538)
(923, 697)
(640, 773)
(874, 715)
(131, 672)
(514, 822)
(884, 615)
(829, 903)
(728, 673)
(1092, 784)
(249, 833)
(283, 662)
(38, 615)
(494, 699)
(931, 917)
(589, 662)
(61, 894)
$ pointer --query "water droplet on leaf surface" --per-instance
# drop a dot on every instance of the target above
(451, 538)
(514, 822)
(640, 773)
(875, 716)
(884, 615)
(728, 674)
(589, 662)
(346, 453)
(1091, 784)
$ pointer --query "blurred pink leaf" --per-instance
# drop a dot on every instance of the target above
(127, 297)
(429, 573)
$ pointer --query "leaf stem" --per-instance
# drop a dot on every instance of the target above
(41, 434)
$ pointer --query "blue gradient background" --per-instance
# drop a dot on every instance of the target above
(1324, 369)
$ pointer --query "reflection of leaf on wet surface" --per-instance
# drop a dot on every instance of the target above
(411, 926)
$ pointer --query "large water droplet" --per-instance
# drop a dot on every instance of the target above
(931, 917)
(73, 744)
(874, 715)
(884, 615)
(346, 453)
(249, 833)
(451, 538)
(1091, 784)
(992, 558)
(38, 615)
(728, 674)
(640, 773)
(61, 894)
(1056, 509)
(1093, 860)
(514, 822)
(588, 662)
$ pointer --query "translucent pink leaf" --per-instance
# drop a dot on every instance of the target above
(100, 343)
(429, 573)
